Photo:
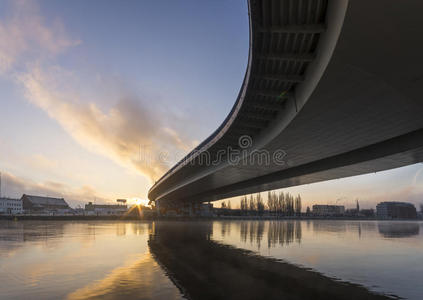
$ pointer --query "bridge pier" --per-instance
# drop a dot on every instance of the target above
(190, 209)
(183, 208)
(157, 205)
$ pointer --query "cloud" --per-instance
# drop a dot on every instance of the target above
(412, 194)
(24, 36)
(28, 47)
(42, 162)
(117, 133)
(416, 176)
(14, 186)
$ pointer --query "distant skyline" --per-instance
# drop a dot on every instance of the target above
(99, 98)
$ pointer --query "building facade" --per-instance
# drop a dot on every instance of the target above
(328, 210)
(105, 209)
(44, 205)
(10, 206)
(396, 210)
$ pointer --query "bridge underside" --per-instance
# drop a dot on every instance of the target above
(364, 115)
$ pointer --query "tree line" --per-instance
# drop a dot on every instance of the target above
(255, 205)
(281, 204)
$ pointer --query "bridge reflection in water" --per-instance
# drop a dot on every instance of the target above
(206, 269)
(206, 260)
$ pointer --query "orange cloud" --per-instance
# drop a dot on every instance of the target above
(28, 46)
(117, 133)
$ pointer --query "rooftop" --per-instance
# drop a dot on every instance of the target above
(40, 200)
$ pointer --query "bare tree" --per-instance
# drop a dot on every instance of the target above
(252, 204)
(282, 203)
(289, 204)
(259, 204)
(298, 205)
(270, 201)
(244, 204)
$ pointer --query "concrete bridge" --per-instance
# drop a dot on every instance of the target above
(333, 88)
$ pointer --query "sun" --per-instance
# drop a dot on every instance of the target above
(140, 202)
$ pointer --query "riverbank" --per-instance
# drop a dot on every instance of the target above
(186, 218)
(72, 218)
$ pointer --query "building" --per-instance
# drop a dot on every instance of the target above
(206, 210)
(328, 210)
(44, 205)
(353, 212)
(106, 209)
(369, 213)
(10, 206)
(396, 210)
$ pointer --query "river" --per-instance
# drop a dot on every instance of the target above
(211, 259)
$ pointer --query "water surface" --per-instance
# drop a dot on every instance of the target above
(384, 256)
(80, 260)
(163, 260)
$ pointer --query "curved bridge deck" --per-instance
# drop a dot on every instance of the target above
(334, 84)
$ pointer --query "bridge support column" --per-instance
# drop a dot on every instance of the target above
(157, 205)
(190, 209)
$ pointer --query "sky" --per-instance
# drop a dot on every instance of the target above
(99, 98)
